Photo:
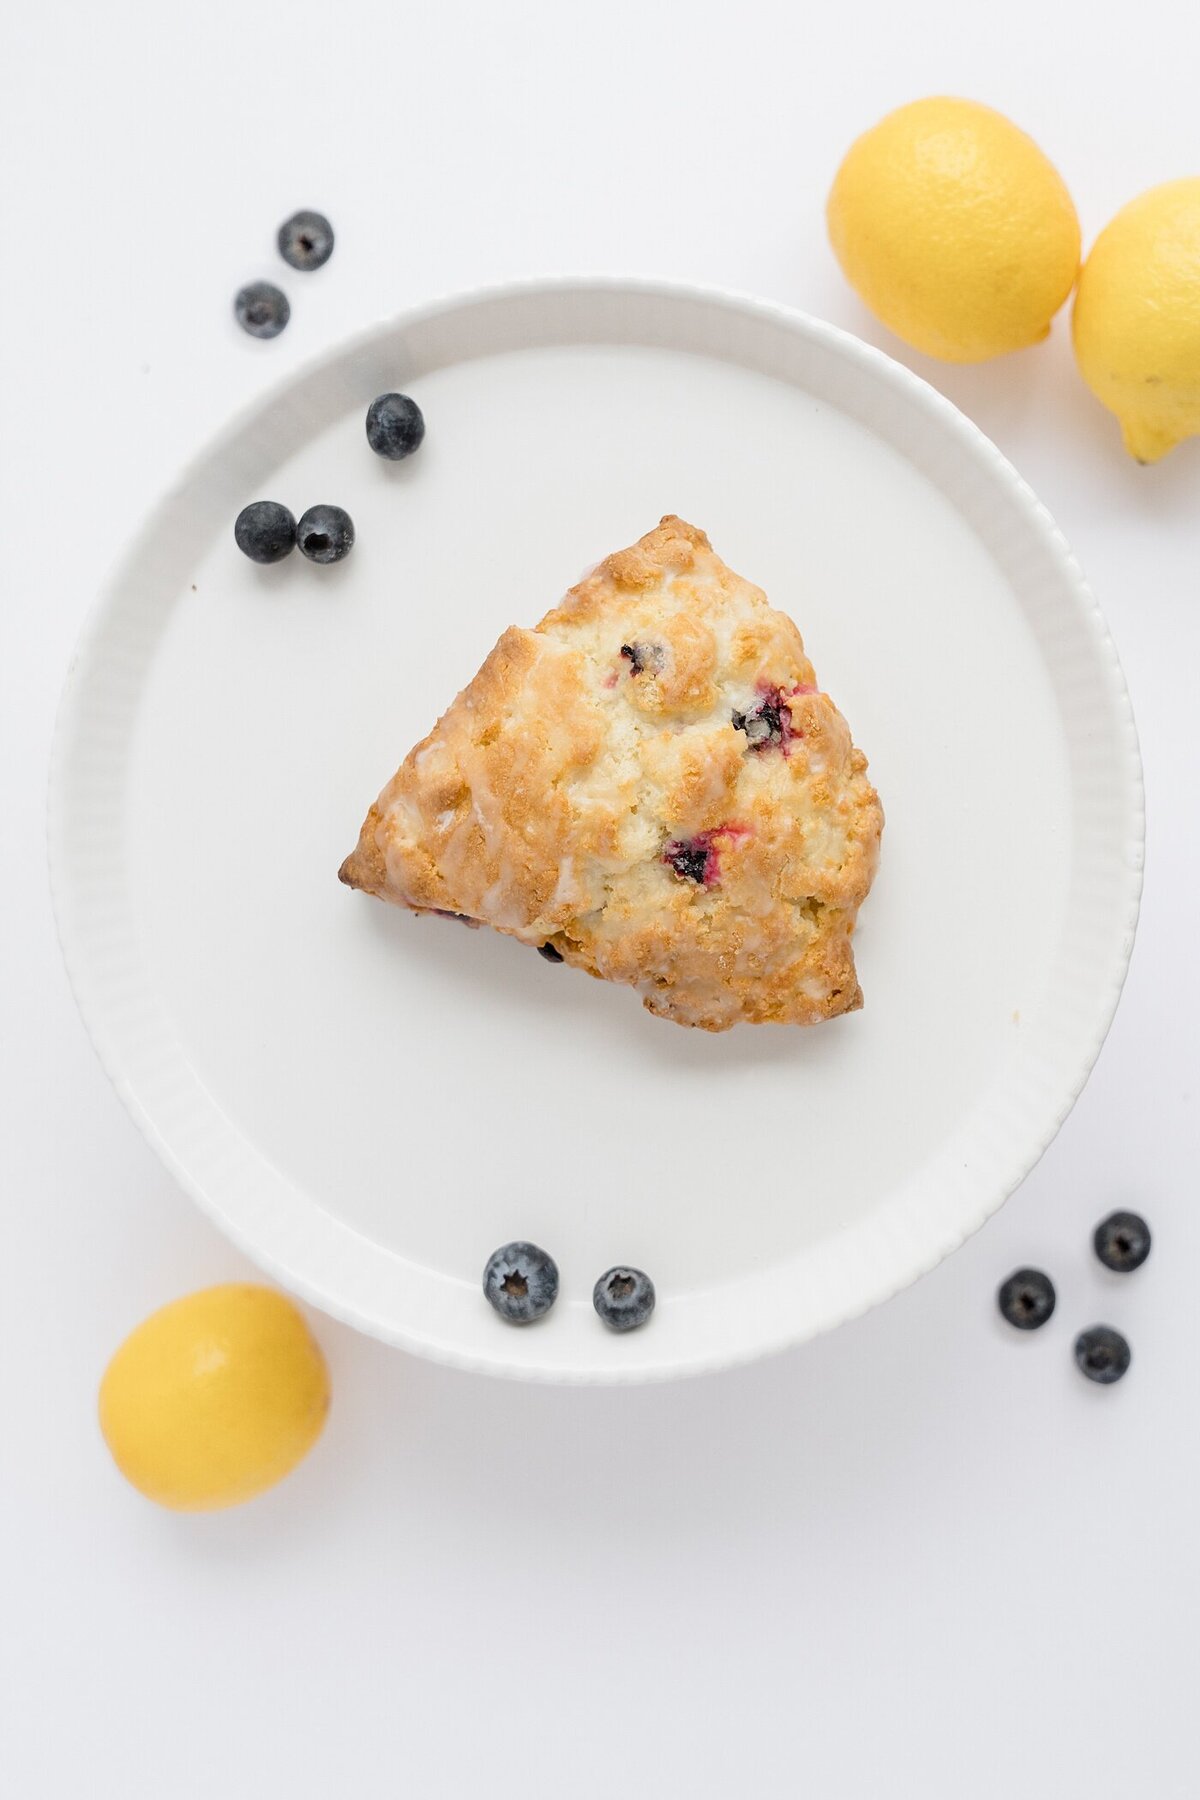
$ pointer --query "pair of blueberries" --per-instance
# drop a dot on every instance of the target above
(1027, 1298)
(305, 242)
(521, 1282)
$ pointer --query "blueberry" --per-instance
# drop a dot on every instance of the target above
(1026, 1299)
(395, 426)
(521, 1282)
(1102, 1354)
(641, 657)
(624, 1298)
(325, 534)
(1122, 1241)
(265, 531)
(688, 858)
(550, 953)
(770, 722)
(306, 240)
(262, 309)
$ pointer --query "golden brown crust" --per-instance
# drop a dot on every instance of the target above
(651, 781)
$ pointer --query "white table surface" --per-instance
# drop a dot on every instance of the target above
(918, 1558)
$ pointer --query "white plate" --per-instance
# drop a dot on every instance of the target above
(368, 1102)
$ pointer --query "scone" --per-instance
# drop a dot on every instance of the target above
(649, 785)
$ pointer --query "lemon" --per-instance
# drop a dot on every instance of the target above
(1136, 322)
(955, 229)
(214, 1397)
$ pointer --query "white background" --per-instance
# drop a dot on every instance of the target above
(919, 1558)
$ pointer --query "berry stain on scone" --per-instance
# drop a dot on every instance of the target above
(651, 785)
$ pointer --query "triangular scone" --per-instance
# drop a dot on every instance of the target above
(650, 785)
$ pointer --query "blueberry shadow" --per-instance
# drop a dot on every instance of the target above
(275, 578)
(299, 573)
(404, 473)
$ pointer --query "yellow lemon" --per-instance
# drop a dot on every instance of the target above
(214, 1397)
(1136, 322)
(955, 229)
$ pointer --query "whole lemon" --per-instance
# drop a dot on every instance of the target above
(955, 229)
(1136, 322)
(214, 1397)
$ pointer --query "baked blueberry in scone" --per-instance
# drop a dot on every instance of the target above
(650, 784)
